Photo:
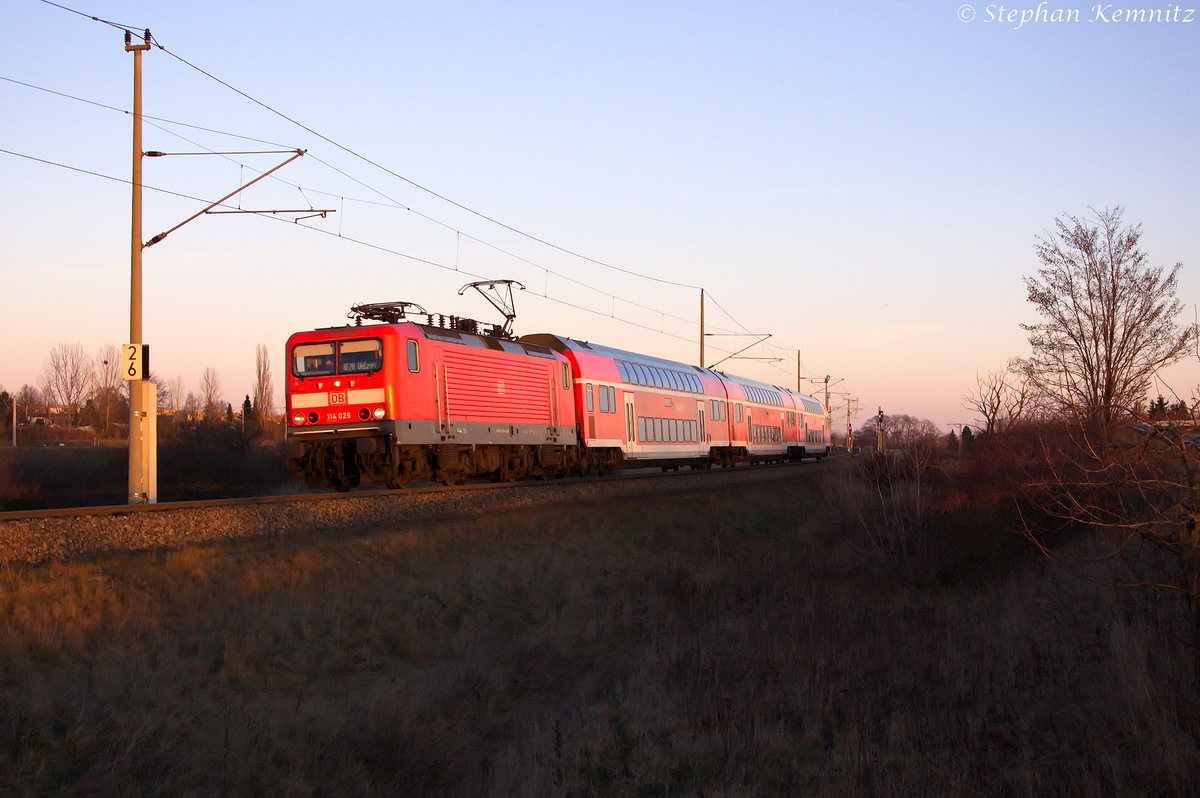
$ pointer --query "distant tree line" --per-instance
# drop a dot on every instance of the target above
(82, 395)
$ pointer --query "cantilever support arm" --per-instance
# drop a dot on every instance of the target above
(205, 210)
(743, 349)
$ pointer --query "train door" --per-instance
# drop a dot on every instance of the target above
(703, 438)
(749, 428)
(630, 422)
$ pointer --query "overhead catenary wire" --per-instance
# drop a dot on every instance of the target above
(391, 202)
(378, 247)
(365, 159)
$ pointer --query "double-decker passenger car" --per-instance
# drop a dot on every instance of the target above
(401, 402)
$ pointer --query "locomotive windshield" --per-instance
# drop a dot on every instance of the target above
(352, 357)
(313, 360)
(357, 357)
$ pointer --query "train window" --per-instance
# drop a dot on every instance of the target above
(738, 408)
(712, 410)
(657, 434)
(312, 360)
(566, 378)
(612, 399)
(591, 407)
(414, 357)
(674, 378)
(603, 399)
(642, 428)
(360, 357)
(636, 371)
(623, 372)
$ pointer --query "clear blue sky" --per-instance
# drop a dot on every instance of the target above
(863, 181)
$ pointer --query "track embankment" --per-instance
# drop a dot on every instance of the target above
(62, 535)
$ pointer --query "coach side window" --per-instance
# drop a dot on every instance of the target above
(591, 403)
(414, 357)
(603, 399)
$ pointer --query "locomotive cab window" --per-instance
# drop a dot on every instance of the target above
(414, 359)
(360, 357)
(313, 360)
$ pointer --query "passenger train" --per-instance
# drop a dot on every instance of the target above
(396, 402)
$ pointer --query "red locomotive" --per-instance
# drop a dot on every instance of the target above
(396, 402)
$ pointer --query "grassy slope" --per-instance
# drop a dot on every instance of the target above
(728, 644)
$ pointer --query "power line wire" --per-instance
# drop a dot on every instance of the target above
(392, 202)
(361, 242)
(132, 29)
(415, 184)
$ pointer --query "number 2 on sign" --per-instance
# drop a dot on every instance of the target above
(133, 362)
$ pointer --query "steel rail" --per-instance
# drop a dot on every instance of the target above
(128, 509)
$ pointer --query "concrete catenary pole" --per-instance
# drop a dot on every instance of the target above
(143, 415)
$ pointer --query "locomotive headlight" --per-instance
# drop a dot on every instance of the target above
(297, 418)
(379, 413)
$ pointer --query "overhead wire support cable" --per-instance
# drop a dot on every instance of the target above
(490, 219)
(145, 117)
(417, 185)
(392, 203)
(360, 242)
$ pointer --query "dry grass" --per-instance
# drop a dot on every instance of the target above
(728, 644)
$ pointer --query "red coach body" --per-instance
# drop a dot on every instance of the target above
(396, 403)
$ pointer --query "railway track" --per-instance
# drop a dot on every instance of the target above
(628, 474)
(59, 535)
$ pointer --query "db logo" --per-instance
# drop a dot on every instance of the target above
(337, 398)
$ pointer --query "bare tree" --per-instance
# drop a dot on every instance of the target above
(175, 393)
(29, 402)
(108, 385)
(1108, 319)
(1002, 400)
(67, 374)
(210, 391)
(264, 388)
(902, 431)
(191, 406)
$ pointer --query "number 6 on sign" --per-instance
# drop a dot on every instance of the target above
(136, 362)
